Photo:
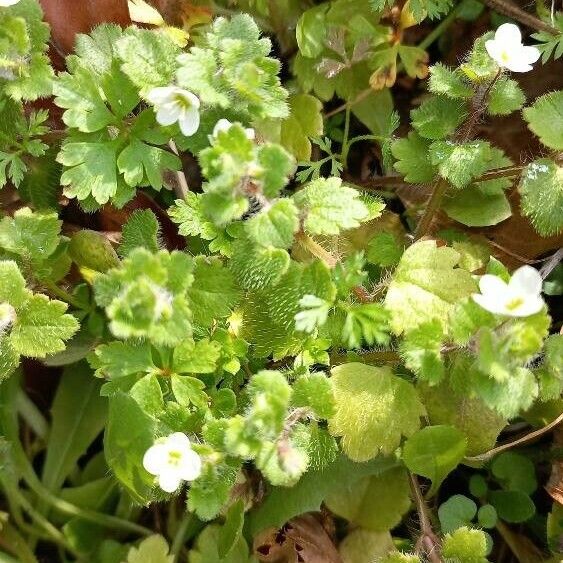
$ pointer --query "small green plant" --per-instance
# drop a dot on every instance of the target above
(260, 336)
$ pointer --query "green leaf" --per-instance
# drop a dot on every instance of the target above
(412, 158)
(147, 296)
(305, 122)
(362, 546)
(456, 512)
(211, 490)
(314, 390)
(141, 230)
(78, 415)
(213, 294)
(189, 391)
(448, 82)
(196, 357)
(91, 169)
(23, 51)
(438, 117)
(480, 424)
(487, 516)
(81, 97)
(465, 545)
(256, 267)
(12, 284)
(97, 50)
(274, 226)
(148, 394)
(153, 549)
(231, 532)
(512, 506)
(475, 207)
(366, 322)
(426, 285)
(505, 97)
(282, 503)
(149, 57)
(541, 191)
(189, 215)
(142, 164)
(355, 502)
(460, 163)
(374, 409)
(33, 236)
(311, 31)
(42, 327)
(434, 452)
(384, 250)
(421, 350)
(230, 68)
(515, 472)
(130, 432)
(330, 207)
(206, 548)
(119, 359)
(545, 119)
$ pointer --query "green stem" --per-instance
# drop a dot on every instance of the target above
(179, 537)
(316, 249)
(31, 414)
(345, 144)
(59, 292)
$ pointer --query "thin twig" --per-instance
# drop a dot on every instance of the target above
(527, 438)
(551, 264)
(516, 13)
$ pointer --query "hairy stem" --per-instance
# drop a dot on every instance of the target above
(428, 543)
(438, 191)
(316, 249)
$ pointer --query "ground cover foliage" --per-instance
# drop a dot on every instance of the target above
(279, 281)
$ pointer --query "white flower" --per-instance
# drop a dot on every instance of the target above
(6, 3)
(225, 125)
(172, 460)
(508, 51)
(173, 104)
(520, 297)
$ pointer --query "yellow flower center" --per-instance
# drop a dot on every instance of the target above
(174, 457)
(514, 303)
(505, 57)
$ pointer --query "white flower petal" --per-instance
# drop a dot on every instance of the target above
(178, 441)
(518, 65)
(509, 34)
(489, 303)
(7, 3)
(530, 54)
(189, 121)
(161, 95)
(530, 306)
(190, 466)
(492, 285)
(191, 99)
(526, 281)
(169, 480)
(221, 125)
(168, 114)
(494, 48)
(156, 458)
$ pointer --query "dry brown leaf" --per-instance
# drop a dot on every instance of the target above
(301, 540)
(555, 484)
